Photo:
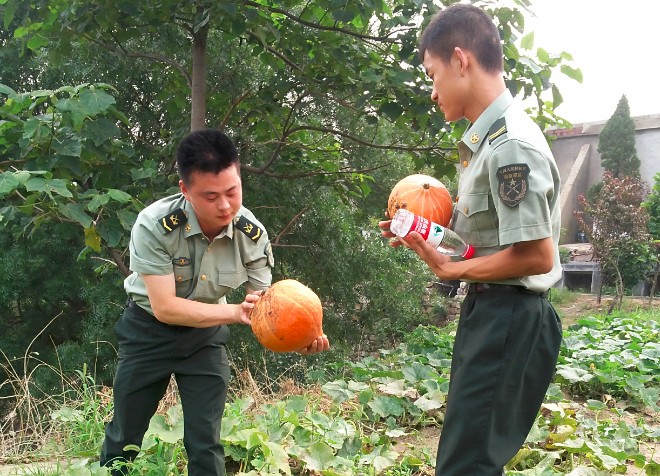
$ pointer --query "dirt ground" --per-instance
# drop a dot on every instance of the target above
(580, 304)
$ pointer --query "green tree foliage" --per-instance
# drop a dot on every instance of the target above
(326, 100)
(616, 143)
(616, 226)
(652, 205)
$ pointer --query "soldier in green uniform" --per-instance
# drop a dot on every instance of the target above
(507, 207)
(186, 252)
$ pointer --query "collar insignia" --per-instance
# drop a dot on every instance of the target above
(497, 129)
(474, 138)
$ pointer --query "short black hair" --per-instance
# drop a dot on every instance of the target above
(467, 27)
(206, 151)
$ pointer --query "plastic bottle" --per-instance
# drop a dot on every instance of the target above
(445, 240)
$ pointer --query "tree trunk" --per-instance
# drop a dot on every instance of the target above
(198, 93)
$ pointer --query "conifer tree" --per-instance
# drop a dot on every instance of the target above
(616, 143)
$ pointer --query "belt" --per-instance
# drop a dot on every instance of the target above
(503, 288)
(138, 311)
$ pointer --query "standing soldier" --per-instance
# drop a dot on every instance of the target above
(508, 336)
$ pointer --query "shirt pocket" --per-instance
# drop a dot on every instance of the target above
(476, 220)
(183, 278)
(228, 281)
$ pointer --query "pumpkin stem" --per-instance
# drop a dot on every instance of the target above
(426, 186)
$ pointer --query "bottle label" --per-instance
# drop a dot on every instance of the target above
(408, 222)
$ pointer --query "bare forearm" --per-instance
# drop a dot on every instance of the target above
(183, 312)
(509, 263)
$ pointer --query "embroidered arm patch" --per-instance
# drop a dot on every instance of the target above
(514, 183)
(250, 229)
(173, 220)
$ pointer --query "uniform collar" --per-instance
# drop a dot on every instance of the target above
(192, 226)
(478, 131)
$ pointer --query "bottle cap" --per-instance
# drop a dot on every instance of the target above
(469, 252)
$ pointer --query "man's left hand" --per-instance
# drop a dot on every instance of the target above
(319, 344)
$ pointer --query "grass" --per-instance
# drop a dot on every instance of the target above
(372, 406)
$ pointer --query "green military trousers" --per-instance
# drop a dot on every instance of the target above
(149, 353)
(503, 361)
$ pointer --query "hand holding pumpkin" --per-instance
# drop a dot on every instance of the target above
(244, 309)
(320, 344)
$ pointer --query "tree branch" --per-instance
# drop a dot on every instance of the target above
(284, 230)
(260, 171)
(136, 54)
(119, 261)
(316, 26)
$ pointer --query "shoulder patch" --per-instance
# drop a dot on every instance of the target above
(513, 183)
(173, 220)
(496, 130)
(250, 229)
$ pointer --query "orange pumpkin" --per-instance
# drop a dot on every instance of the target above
(287, 317)
(423, 195)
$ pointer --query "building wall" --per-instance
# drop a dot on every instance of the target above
(567, 144)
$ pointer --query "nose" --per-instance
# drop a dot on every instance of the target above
(434, 95)
(223, 204)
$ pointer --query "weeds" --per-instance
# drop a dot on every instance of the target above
(361, 418)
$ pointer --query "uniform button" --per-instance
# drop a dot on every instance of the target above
(203, 277)
(465, 163)
(179, 278)
(465, 210)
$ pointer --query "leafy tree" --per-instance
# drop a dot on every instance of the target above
(652, 206)
(616, 143)
(616, 226)
(326, 101)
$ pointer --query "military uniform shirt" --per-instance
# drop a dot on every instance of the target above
(167, 239)
(508, 188)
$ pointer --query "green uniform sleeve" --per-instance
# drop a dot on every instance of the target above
(258, 260)
(148, 253)
(522, 188)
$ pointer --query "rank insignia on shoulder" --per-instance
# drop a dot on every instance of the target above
(514, 183)
(496, 130)
(250, 229)
(181, 261)
(173, 220)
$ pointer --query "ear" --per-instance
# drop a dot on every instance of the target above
(463, 59)
(184, 189)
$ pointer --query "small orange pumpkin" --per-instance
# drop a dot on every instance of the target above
(423, 195)
(287, 317)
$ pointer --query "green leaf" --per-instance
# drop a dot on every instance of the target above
(126, 218)
(169, 434)
(573, 73)
(574, 374)
(431, 401)
(119, 195)
(8, 182)
(97, 202)
(94, 101)
(318, 457)
(75, 212)
(386, 406)
(4, 89)
(111, 231)
(101, 130)
(59, 187)
(527, 41)
(69, 146)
